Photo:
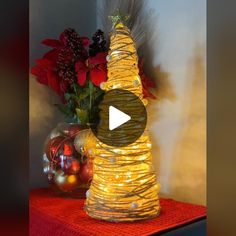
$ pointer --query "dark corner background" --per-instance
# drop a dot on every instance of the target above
(221, 117)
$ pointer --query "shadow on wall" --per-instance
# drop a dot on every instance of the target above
(43, 118)
(164, 89)
(188, 174)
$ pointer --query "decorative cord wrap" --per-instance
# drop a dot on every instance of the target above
(124, 186)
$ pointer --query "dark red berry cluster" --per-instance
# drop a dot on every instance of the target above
(99, 43)
(73, 51)
(75, 43)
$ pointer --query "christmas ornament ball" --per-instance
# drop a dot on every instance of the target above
(74, 167)
(65, 182)
(86, 172)
(85, 142)
(74, 129)
(53, 146)
(54, 133)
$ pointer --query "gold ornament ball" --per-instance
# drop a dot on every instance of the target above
(84, 142)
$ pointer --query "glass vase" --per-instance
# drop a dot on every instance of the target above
(68, 171)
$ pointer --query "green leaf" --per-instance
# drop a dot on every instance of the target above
(83, 94)
(90, 85)
(98, 94)
(76, 88)
(67, 96)
(82, 116)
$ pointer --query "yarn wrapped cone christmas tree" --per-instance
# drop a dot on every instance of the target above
(124, 186)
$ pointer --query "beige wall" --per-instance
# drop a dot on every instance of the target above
(177, 120)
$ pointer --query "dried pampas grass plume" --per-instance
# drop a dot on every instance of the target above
(135, 22)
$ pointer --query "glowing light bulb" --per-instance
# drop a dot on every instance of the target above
(129, 174)
(108, 57)
(112, 159)
(103, 86)
(87, 194)
(90, 151)
(149, 145)
(134, 205)
(136, 82)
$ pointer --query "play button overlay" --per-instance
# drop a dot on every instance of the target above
(121, 119)
(117, 118)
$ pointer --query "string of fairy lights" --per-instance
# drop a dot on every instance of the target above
(124, 186)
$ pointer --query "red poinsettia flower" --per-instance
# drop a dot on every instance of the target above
(62, 42)
(45, 71)
(95, 66)
(147, 83)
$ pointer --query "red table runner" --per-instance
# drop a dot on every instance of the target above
(52, 215)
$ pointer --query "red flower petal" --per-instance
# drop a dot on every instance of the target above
(81, 77)
(80, 65)
(85, 41)
(52, 55)
(100, 58)
(102, 67)
(35, 70)
(40, 73)
(81, 70)
(53, 82)
(54, 43)
(45, 63)
(97, 76)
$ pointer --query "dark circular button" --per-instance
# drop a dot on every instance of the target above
(115, 107)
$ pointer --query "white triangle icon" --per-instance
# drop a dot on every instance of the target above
(117, 118)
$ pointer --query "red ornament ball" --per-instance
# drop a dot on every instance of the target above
(74, 129)
(86, 172)
(53, 146)
(74, 167)
(68, 149)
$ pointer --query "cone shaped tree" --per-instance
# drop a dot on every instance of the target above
(124, 186)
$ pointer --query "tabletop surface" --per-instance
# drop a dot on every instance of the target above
(53, 215)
